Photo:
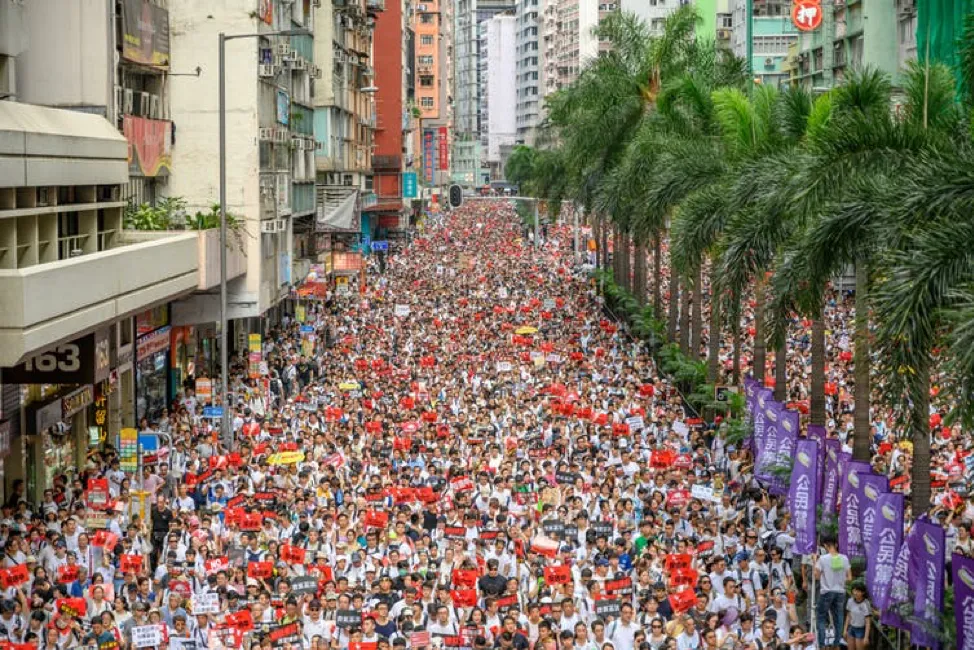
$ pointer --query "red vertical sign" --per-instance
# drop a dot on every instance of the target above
(444, 149)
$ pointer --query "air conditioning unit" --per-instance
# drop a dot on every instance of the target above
(282, 136)
(129, 103)
(723, 34)
(144, 104)
(155, 112)
(297, 142)
(268, 227)
(316, 72)
(769, 62)
(266, 134)
(265, 70)
(300, 64)
(284, 49)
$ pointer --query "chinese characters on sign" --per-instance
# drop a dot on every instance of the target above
(806, 15)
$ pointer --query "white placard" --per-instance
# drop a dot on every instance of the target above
(681, 429)
(502, 293)
(704, 493)
(553, 358)
(635, 423)
(147, 636)
(402, 310)
(503, 366)
(208, 603)
(549, 304)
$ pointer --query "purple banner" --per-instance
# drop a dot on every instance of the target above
(873, 485)
(817, 432)
(762, 399)
(788, 424)
(928, 560)
(850, 534)
(887, 537)
(963, 570)
(751, 387)
(900, 586)
(802, 495)
(830, 480)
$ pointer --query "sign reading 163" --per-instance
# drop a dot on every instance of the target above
(65, 358)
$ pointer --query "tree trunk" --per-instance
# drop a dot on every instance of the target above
(696, 318)
(604, 229)
(713, 352)
(781, 371)
(920, 432)
(674, 304)
(626, 260)
(860, 414)
(657, 277)
(738, 344)
(617, 255)
(598, 248)
(685, 299)
(640, 274)
(760, 347)
(817, 401)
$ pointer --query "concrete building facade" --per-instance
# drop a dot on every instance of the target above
(529, 69)
(498, 99)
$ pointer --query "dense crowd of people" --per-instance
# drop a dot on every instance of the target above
(464, 452)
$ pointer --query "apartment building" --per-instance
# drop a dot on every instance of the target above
(498, 91)
(772, 35)
(569, 40)
(529, 69)
(432, 106)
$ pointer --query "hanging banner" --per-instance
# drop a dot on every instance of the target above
(802, 495)
(150, 146)
(444, 149)
(963, 570)
(762, 397)
(145, 33)
(767, 450)
(429, 151)
(887, 537)
(900, 587)
(817, 432)
(873, 486)
(788, 424)
(927, 562)
(830, 477)
(850, 535)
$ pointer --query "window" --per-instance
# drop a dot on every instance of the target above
(426, 81)
(426, 102)
(426, 39)
(425, 59)
(426, 19)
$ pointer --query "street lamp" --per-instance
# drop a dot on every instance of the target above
(225, 427)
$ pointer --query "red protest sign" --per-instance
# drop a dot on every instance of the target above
(362, 645)
(558, 575)
(130, 563)
(662, 458)
(105, 539)
(464, 597)
(465, 578)
(292, 554)
(97, 494)
(683, 600)
(376, 519)
(677, 498)
(683, 578)
(242, 620)
(419, 639)
(260, 570)
(67, 573)
(71, 606)
(677, 561)
(216, 565)
(251, 521)
(15, 575)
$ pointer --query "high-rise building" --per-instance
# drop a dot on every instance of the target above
(498, 91)
(569, 40)
(772, 35)
(466, 158)
(529, 69)
(432, 106)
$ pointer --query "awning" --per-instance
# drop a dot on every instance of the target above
(41, 146)
(337, 210)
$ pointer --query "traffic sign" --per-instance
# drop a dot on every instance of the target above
(307, 329)
(213, 411)
(381, 245)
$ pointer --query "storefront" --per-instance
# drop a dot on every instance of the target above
(182, 357)
(152, 374)
(59, 437)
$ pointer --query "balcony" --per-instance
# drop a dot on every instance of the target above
(387, 162)
(48, 303)
(208, 258)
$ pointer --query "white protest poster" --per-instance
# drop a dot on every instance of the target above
(681, 429)
(208, 603)
(402, 311)
(549, 304)
(503, 366)
(703, 493)
(635, 423)
(147, 636)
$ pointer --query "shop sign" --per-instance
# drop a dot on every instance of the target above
(204, 390)
(145, 33)
(68, 363)
(149, 146)
(265, 11)
(47, 416)
(77, 401)
(444, 149)
(429, 150)
(101, 411)
(103, 355)
(151, 319)
(128, 450)
(151, 344)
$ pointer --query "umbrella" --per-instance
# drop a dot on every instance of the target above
(350, 385)
(527, 329)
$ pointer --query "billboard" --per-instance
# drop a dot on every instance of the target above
(145, 33)
(150, 145)
(409, 185)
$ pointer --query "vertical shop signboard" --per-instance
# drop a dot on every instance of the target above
(204, 390)
(128, 449)
(254, 346)
(429, 151)
(444, 149)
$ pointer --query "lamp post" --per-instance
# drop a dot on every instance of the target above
(225, 427)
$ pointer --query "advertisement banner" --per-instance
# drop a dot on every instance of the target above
(927, 562)
(963, 570)
(886, 540)
(850, 535)
(873, 485)
(830, 477)
(145, 33)
(150, 145)
(428, 152)
(444, 149)
(265, 11)
(802, 495)
(788, 424)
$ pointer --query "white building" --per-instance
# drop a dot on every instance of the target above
(529, 67)
(498, 89)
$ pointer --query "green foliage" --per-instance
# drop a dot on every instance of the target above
(170, 214)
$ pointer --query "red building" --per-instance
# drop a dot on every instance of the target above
(387, 160)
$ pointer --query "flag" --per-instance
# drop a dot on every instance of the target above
(544, 546)
(464, 597)
(466, 578)
(928, 559)
(765, 435)
(787, 430)
(802, 495)
(963, 570)
(901, 585)
(882, 548)
(873, 486)
(850, 535)
(830, 477)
